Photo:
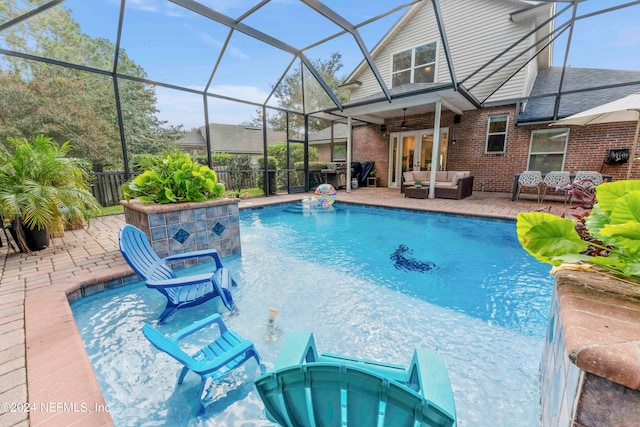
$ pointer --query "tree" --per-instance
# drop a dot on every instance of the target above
(277, 155)
(67, 104)
(289, 94)
(240, 171)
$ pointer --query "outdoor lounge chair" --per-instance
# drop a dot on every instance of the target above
(180, 291)
(216, 360)
(307, 389)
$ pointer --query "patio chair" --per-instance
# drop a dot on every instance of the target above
(555, 180)
(215, 360)
(593, 176)
(180, 292)
(307, 389)
(529, 179)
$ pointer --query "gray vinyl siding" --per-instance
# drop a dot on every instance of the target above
(420, 30)
(477, 31)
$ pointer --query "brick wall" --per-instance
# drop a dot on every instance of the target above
(586, 150)
(369, 144)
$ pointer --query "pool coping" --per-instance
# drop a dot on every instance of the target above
(61, 383)
(58, 368)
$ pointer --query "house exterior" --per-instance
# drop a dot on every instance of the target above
(331, 143)
(233, 139)
(453, 71)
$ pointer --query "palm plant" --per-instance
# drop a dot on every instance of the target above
(42, 189)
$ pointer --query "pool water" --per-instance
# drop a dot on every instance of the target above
(368, 282)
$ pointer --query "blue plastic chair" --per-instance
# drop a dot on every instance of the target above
(216, 360)
(180, 291)
(307, 389)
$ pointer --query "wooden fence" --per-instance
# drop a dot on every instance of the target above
(107, 186)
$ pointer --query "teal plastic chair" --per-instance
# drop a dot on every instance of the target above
(215, 360)
(180, 292)
(326, 390)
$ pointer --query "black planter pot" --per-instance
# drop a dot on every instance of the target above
(36, 240)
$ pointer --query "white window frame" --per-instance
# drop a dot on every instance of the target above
(413, 63)
(563, 152)
(506, 131)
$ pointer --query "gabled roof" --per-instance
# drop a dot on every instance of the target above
(532, 9)
(385, 39)
(547, 83)
(192, 139)
(339, 133)
(232, 138)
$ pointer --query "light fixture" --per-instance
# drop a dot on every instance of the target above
(403, 125)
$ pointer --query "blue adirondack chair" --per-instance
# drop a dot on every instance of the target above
(180, 291)
(326, 390)
(216, 360)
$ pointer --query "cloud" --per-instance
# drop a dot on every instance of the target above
(237, 53)
(146, 5)
(155, 6)
(207, 39)
(232, 51)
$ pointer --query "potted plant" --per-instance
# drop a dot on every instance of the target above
(178, 203)
(41, 190)
(605, 240)
(417, 183)
(172, 178)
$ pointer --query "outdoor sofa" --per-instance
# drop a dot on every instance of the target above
(449, 184)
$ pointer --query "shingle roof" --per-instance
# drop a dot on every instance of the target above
(548, 80)
(324, 135)
(232, 138)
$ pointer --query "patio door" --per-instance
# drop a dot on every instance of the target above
(409, 151)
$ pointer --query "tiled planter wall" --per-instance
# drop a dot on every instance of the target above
(590, 367)
(185, 227)
(560, 378)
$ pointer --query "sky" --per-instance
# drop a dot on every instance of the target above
(179, 47)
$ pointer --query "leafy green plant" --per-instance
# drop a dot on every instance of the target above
(42, 189)
(172, 178)
(417, 183)
(609, 241)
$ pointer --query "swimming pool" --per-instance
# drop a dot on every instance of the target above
(368, 282)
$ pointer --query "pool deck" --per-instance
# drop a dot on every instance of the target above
(42, 358)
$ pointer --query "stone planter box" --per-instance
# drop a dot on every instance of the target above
(185, 227)
(590, 373)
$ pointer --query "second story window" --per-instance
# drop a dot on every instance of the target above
(417, 65)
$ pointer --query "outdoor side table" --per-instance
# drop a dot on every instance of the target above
(416, 192)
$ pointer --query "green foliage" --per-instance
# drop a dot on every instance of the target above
(612, 227)
(172, 178)
(65, 103)
(42, 187)
(289, 95)
(240, 171)
(220, 159)
(277, 155)
(315, 165)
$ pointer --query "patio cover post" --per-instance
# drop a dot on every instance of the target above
(348, 154)
(435, 151)
(632, 157)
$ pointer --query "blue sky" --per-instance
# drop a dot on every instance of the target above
(179, 47)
